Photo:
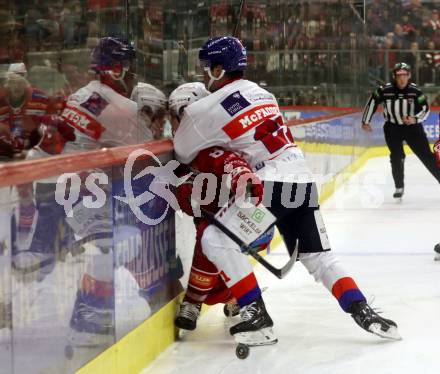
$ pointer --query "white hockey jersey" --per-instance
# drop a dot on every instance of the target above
(102, 118)
(244, 118)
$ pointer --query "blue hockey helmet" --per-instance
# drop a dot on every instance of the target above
(226, 51)
(111, 52)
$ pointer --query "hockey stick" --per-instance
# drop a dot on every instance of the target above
(280, 273)
(237, 24)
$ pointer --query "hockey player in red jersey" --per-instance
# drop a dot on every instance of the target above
(22, 109)
(209, 283)
(240, 116)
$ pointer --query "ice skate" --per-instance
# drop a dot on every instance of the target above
(437, 252)
(90, 325)
(372, 322)
(255, 327)
(30, 266)
(187, 317)
(398, 194)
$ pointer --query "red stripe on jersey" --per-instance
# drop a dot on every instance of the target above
(249, 119)
(82, 122)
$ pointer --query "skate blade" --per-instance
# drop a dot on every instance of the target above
(182, 333)
(392, 333)
(437, 258)
(265, 336)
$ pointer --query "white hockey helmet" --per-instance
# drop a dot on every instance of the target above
(185, 95)
(146, 95)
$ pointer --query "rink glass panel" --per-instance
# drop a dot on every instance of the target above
(72, 286)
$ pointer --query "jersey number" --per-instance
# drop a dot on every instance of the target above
(273, 134)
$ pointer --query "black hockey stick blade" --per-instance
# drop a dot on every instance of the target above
(278, 272)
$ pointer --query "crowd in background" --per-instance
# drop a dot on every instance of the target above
(306, 46)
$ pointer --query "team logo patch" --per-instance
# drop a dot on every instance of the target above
(258, 216)
(95, 104)
(234, 103)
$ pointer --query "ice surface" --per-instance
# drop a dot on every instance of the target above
(388, 248)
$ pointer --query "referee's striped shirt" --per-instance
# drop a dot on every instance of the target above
(397, 104)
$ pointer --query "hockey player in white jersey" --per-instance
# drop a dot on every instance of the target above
(242, 117)
(152, 105)
(102, 115)
(206, 283)
(101, 112)
(229, 278)
(99, 115)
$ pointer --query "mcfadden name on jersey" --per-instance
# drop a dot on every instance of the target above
(244, 118)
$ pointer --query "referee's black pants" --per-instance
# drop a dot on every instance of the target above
(416, 138)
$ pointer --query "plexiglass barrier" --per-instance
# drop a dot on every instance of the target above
(85, 257)
(88, 255)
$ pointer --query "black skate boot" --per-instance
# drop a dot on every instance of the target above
(372, 322)
(398, 194)
(231, 310)
(256, 325)
(437, 252)
(92, 323)
(187, 317)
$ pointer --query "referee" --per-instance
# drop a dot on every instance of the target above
(405, 108)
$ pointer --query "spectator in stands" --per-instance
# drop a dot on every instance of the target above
(430, 61)
(436, 101)
(22, 108)
(434, 22)
(408, 27)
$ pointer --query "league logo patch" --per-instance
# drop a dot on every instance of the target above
(234, 103)
(95, 104)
